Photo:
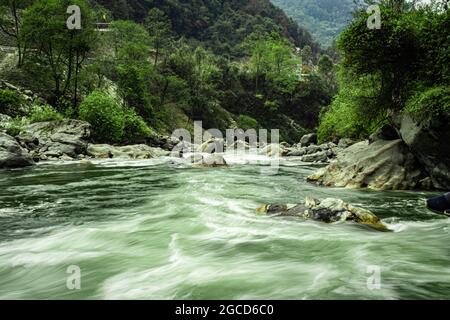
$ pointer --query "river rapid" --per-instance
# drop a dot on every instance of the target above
(159, 229)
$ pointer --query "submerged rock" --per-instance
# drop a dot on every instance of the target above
(329, 210)
(383, 165)
(12, 155)
(56, 139)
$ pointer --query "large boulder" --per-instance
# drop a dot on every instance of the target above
(429, 141)
(328, 210)
(382, 165)
(134, 152)
(12, 155)
(56, 139)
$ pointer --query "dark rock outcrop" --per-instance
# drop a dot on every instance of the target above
(429, 141)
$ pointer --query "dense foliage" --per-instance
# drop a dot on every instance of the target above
(220, 25)
(162, 64)
(402, 67)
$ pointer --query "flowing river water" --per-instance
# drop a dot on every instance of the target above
(159, 229)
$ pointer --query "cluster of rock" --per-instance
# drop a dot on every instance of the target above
(328, 210)
(64, 140)
(309, 151)
(408, 156)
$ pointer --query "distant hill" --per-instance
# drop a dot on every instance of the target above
(325, 19)
(221, 25)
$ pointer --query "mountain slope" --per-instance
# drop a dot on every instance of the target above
(221, 25)
(325, 19)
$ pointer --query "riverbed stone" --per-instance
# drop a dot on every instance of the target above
(12, 155)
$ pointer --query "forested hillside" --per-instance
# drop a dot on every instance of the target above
(325, 19)
(221, 25)
(160, 65)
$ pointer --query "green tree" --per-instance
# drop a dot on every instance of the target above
(307, 55)
(159, 28)
(11, 23)
(61, 50)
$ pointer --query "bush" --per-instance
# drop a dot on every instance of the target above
(135, 126)
(431, 102)
(246, 123)
(105, 115)
(16, 125)
(44, 113)
(11, 103)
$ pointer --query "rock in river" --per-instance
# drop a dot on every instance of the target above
(12, 155)
(328, 210)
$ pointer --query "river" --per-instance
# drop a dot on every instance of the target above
(158, 229)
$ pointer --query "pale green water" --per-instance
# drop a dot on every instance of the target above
(155, 230)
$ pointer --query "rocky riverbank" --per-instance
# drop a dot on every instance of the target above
(406, 156)
(412, 156)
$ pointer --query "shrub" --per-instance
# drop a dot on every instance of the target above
(434, 101)
(11, 103)
(105, 115)
(44, 113)
(135, 126)
(245, 122)
(16, 125)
